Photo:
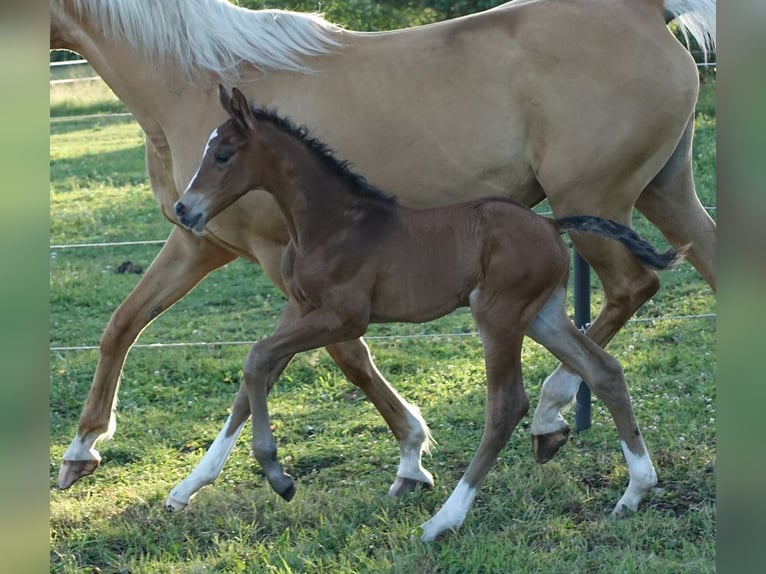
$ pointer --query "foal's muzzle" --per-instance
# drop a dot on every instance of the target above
(182, 213)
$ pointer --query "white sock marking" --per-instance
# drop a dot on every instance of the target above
(643, 478)
(557, 394)
(207, 470)
(411, 450)
(452, 514)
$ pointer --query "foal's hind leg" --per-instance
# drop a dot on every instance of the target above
(627, 285)
(553, 329)
(507, 403)
(404, 419)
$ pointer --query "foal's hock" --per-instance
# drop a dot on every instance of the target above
(356, 256)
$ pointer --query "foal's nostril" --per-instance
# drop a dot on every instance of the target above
(180, 209)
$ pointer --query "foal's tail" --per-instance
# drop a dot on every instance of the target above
(642, 250)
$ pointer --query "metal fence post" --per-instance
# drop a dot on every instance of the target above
(582, 320)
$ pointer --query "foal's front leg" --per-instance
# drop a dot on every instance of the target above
(208, 469)
(266, 361)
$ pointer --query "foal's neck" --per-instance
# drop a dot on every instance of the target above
(313, 198)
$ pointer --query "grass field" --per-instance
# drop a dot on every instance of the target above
(173, 401)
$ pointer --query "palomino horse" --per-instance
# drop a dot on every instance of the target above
(357, 257)
(586, 102)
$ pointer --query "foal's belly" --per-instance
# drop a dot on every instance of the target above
(420, 293)
(409, 310)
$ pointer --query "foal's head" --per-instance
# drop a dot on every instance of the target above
(228, 169)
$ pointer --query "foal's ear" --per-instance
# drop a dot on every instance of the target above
(240, 109)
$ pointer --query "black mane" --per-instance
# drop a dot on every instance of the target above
(342, 169)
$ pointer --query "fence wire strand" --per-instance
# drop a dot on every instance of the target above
(437, 336)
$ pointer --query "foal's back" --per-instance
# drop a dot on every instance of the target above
(431, 260)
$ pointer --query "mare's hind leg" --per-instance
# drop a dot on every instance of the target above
(553, 329)
(550, 430)
(501, 335)
(404, 419)
(181, 263)
(670, 202)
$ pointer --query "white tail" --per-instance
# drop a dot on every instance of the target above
(696, 18)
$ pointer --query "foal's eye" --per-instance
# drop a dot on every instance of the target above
(223, 158)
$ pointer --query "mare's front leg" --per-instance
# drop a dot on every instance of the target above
(298, 331)
(181, 263)
(404, 419)
(553, 329)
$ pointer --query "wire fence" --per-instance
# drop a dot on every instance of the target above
(433, 336)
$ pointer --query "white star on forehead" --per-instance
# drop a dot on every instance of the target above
(213, 135)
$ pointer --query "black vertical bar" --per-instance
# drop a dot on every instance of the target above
(582, 320)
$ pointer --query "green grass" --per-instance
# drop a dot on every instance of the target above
(173, 401)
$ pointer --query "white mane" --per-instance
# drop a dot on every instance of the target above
(214, 35)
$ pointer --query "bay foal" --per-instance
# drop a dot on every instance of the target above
(356, 257)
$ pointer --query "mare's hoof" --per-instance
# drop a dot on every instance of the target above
(545, 446)
(73, 470)
(402, 486)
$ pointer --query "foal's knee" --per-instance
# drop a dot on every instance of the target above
(259, 361)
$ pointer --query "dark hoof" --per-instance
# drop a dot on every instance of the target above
(545, 446)
(288, 492)
(73, 470)
(404, 486)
